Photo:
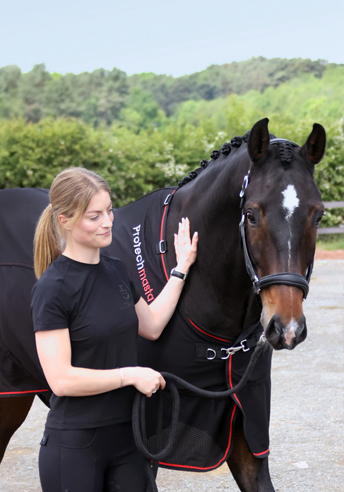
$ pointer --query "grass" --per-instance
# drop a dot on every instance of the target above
(329, 242)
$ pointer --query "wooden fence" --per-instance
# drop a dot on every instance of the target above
(332, 230)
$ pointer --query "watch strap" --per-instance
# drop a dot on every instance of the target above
(180, 275)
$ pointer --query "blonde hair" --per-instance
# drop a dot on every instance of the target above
(70, 194)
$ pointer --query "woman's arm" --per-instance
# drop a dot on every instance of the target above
(154, 317)
(54, 351)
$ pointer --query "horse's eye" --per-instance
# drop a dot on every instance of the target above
(251, 217)
(318, 219)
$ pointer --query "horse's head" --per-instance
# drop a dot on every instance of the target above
(281, 210)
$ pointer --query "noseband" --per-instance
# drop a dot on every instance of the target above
(284, 278)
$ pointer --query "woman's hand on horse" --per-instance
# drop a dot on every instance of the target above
(185, 248)
(145, 380)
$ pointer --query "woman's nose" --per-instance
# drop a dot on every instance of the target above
(107, 221)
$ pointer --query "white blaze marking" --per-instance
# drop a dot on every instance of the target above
(290, 331)
(290, 200)
(290, 203)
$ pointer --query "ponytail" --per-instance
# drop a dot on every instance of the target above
(47, 243)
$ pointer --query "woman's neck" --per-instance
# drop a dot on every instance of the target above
(82, 255)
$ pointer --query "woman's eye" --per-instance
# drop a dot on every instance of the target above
(95, 217)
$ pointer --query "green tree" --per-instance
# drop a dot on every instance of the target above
(10, 105)
(31, 91)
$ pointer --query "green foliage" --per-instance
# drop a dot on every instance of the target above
(134, 164)
(330, 242)
(117, 125)
(142, 111)
(222, 80)
(98, 97)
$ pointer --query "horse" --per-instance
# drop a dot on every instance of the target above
(256, 208)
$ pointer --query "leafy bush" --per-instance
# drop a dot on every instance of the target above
(135, 163)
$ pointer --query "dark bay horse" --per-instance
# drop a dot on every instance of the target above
(262, 183)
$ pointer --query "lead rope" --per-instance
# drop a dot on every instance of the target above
(139, 414)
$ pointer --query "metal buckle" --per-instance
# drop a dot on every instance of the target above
(244, 349)
(233, 350)
(162, 246)
(245, 183)
(227, 354)
(213, 354)
(168, 199)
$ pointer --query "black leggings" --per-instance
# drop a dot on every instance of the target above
(104, 459)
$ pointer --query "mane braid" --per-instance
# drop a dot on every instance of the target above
(285, 152)
(225, 150)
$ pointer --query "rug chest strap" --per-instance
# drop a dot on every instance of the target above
(211, 352)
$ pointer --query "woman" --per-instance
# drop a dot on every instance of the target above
(86, 314)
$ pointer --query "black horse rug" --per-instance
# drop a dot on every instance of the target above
(21, 373)
(188, 350)
(205, 429)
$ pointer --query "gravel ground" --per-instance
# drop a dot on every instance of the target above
(307, 410)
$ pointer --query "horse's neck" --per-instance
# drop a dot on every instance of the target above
(218, 293)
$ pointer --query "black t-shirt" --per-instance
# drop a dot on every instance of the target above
(96, 302)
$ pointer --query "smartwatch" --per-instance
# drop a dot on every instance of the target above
(180, 275)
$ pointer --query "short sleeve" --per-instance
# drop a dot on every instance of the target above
(135, 292)
(48, 307)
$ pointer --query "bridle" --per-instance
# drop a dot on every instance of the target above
(284, 278)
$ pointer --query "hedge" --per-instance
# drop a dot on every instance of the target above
(136, 163)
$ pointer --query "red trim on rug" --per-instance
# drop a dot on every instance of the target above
(161, 237)
(23, 392)
(259, 454)
(217, 464)
(237, 400)
(230, 380)
(161, 233)
(209, 335)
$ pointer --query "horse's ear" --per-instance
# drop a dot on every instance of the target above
(314, 148)
(258, 142)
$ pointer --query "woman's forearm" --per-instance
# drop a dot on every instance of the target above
(78, 381)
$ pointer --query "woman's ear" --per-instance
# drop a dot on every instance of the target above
(64, 222)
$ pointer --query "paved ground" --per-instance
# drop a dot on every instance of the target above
(307, 432)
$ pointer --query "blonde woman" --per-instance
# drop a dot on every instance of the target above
(86, 333)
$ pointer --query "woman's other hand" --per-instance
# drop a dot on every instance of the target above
(185, 248)
(145, 380)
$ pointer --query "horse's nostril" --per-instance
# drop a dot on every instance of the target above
(274, 333)
(280, 336)
(301, 334)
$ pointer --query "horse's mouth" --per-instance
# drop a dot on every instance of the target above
(285, 337)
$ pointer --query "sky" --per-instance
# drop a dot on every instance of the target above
(174, 37)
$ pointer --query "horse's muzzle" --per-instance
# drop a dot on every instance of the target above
(287, 337)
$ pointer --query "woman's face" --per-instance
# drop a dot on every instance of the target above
(94, 229)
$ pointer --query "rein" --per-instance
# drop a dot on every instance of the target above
(283, 278)
(139, 412)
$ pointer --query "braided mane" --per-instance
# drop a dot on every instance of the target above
(284, 151)
(235, 143)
